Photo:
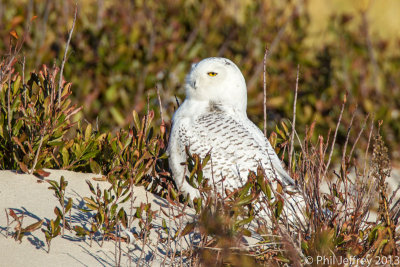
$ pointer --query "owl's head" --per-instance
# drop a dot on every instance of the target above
(219, 81)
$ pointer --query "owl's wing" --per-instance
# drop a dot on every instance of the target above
(237, 144)
(181, 136)
(272, 156)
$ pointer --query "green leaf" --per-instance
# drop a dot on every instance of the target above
(174, 194)
(101, 215)
(16, 85)
(244, 222)
(69, 205)
(17, 127)
(51, 224)
(117, 116)
(57, 231)
(278, 208)
(113, 209)
(304, 245)
(123, 217)
(88, 132)
(57, 222)
(33, 226)
(126, 198)
(136, 120)
(246, 232)
(206, 159)
(80, 231)
(285, 128)
(90, 203)
(245, 200)
(47, 235)
(89, 155)
(138, 213)
(58, 212)
(46, 105)
(54, 184)
(91, 188)
(164, 225)
(65, 156)
(94, 166)
(188, 228)
(281, 133)
(56, 142)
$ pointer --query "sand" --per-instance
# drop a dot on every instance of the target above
(29, 195)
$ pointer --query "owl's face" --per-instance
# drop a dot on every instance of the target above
(217, 80)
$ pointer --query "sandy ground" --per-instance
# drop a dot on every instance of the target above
(29, 195)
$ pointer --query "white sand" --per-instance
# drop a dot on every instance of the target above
(24, 194)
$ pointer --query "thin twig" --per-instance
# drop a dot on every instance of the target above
(334, 136)
(347, 140)
(65, 55)
(9, 106)
(37, 154)
(358, 137)
(119, 244)
(8, 223)
(23, 79)
(368, 144)
(294, 120)
(159, 102)
(265, 91)
(343, 163)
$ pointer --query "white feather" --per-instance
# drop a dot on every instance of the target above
(213, 118)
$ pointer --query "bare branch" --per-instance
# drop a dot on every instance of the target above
(159, 102)
(358, 137)
(37, 155)
(294, 119)
(334, 136)
(347, 140)
(265, 92)
(368, 144)
(65, 55)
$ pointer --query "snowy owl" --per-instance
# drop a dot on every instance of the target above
(213, 119)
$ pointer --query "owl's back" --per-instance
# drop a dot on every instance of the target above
(236, 146)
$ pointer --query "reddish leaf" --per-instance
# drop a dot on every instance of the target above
(14, 34)
(12, 214)
(42, 173)
(33, 226)
(23, 167)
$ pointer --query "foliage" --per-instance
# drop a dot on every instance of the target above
(53, 229)
(20, 231)
(121, 51)
(59, 192)
(117, 55)
(34, 124)
(53, 226)
(106, 207)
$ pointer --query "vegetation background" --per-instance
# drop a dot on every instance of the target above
(120, 51)
(103, 121)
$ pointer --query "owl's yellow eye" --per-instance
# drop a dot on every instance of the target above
(212, 74)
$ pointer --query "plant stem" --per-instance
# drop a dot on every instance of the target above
(65, 56)
(294, 119)
(265, 91)
(37, 154)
